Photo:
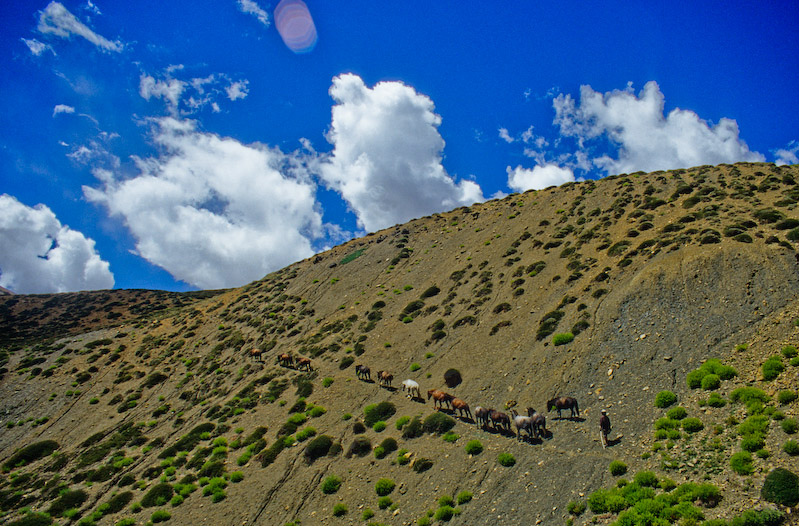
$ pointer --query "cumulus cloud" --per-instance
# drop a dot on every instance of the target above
(386, 159)
(238, 90)
(212, 211)
(647, 139)
(62, 108)
(541, 176)
(505, 136)
(39, 255)
(57, 20)
(788, 155)
(252, 8)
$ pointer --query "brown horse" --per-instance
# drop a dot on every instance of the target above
(256, 354)
(363, 372)
(564, 402)
(286, 360)
(539, 422)
(384, 378)
(304, 363)
(481, 416)
(462, 407)
(499, 420)
(440, 398)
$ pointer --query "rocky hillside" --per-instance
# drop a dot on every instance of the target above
(608, 291)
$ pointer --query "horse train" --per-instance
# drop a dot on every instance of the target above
(534, 423)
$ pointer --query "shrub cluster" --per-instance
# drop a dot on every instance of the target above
(378, 412)
(710, 367)
(438, 423)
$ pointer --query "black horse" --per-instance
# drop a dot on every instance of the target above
(564, 402)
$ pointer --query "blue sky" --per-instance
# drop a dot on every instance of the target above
(183, 145)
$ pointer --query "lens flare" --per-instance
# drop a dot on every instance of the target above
(295, 25)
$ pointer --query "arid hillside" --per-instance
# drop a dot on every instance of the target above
(670, 299)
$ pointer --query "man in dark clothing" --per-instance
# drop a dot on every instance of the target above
(604, 428)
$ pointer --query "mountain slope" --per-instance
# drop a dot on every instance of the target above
(651, 273)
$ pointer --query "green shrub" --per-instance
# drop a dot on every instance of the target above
(401, 421)
(438, 423)
(444, 513)
(30, 453)
(379, 426)
(384, 502)
(414, 429)
(786, 396)
(160, 516)
(327, 382)
(665, 399)
(415, 367)
(765, 517)
(789, 425)
(464, 497)
(360, 446)
(118, 502)
(715, 400)
(781, 487)
(562, 338)
(789, 351)
(692, 425)
(741, 463)
(127, 521)
(339, 509)
(617, 468)
(389, 444)
(177, 500)
(749, 394)
(677, 413)
(711, 382)
(474, 447)
(576, 507)
(752, 443)
(666, 423)
(376, 412)
(506, 459)
(68, 499)
(318, 447)
(384, 487)
(791, 447)
(772, 368)
(367, 514)
(236, 476)
(450, 437)
(446, 500)
(422, 464)
(646, 479)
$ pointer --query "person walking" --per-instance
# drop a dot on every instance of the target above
(604, 428)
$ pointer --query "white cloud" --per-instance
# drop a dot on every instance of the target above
(57, 20)
(212, 211)
(252, 8)
(35, 47)
(238, 90)
(386, 161)
(648, 140)
(541, 176)
(186, 97)
(40, 255)
(788, 155)
(62, 108)
(169, 90)
(505, 136)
